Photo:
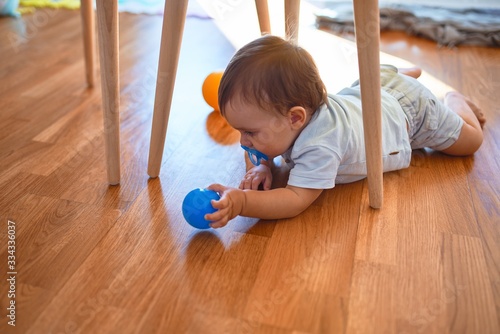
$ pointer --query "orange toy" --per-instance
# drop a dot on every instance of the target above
(210, 89)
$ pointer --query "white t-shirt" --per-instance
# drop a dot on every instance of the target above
(331, 149)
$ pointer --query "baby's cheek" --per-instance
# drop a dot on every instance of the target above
(266, 137)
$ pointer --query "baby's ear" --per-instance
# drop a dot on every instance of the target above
(297, 116)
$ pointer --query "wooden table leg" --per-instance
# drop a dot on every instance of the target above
(367, 26)
(174, 18)
(263, 15)
(107, 24)
(87, 12)
(292, 11)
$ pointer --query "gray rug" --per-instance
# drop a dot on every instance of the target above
(446, 26)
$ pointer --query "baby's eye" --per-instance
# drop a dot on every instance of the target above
(248, 133)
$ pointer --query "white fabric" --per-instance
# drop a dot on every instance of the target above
(331, 148)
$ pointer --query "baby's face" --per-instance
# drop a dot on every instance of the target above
(266, 131)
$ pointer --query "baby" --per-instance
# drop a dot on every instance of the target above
(271, 92)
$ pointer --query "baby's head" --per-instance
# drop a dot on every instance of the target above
(274, 74)
(269, 84)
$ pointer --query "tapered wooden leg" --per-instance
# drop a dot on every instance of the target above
(367, 26)
(292, 9)
(263, 14)
(87, 11)
(173, 26)
(107, 26)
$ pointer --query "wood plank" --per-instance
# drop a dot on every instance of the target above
(372, 306)
(468, 274)
(320, 260)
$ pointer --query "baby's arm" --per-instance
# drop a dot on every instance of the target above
(273, 204)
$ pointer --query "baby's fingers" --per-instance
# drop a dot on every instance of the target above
(218, 219)
(219, 188)
(219, 224)
(256, 182)
(251, 181)
(267, 183)
(246, 183)
(220, 206)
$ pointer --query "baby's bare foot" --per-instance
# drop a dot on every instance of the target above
(477, 111)
(413, 72)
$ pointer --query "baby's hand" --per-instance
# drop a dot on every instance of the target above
(228, 206)
(257, 175)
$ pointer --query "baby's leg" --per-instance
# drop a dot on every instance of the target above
(471, 135)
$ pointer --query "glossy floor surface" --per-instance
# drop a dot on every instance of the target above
(97, 259)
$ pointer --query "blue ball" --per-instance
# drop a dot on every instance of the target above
(196, 205)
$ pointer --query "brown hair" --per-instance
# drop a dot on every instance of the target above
(273, 73)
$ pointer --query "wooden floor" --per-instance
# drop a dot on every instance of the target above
(91, 258)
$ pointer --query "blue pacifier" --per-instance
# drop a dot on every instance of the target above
(254, 155)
